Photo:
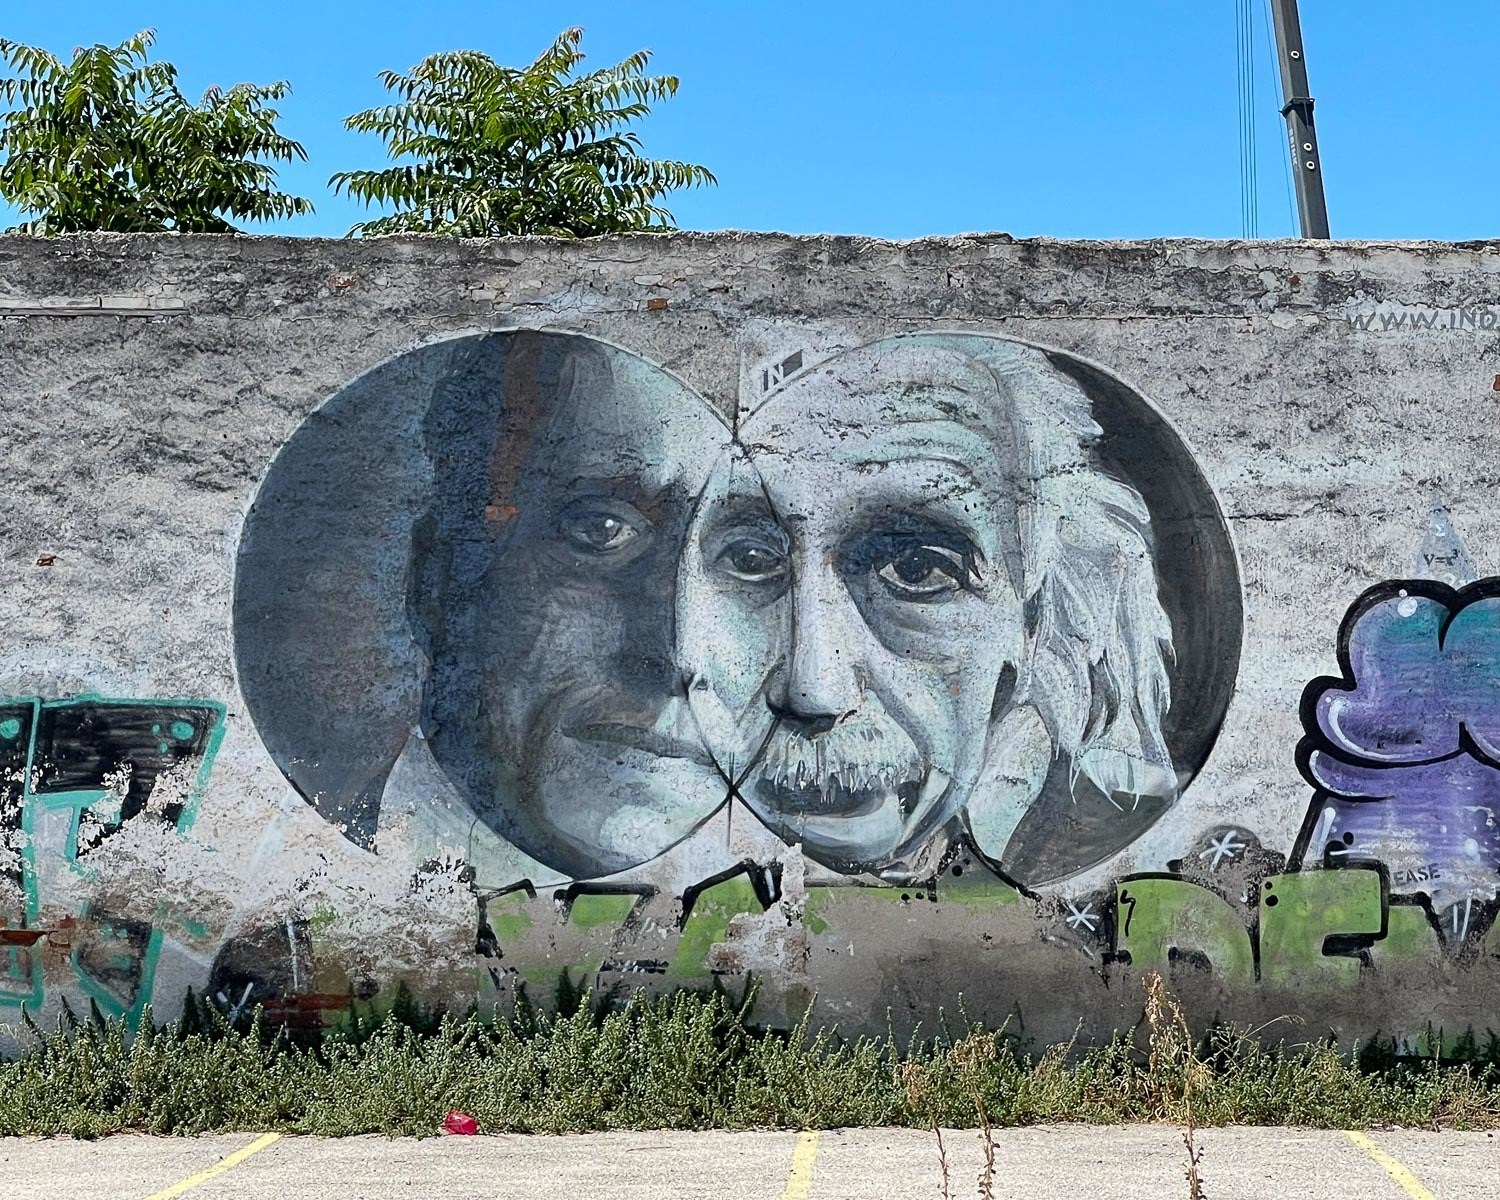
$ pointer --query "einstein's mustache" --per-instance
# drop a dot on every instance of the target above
(865, 752)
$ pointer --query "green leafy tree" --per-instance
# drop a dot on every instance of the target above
(108, 142)
(495, 150)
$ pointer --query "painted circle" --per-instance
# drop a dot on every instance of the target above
(333, 677)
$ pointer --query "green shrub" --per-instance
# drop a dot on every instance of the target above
(689, 1061)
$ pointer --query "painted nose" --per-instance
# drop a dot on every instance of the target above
(818, 684)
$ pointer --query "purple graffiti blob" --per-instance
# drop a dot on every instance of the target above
(1405, 748)
(1422, 673)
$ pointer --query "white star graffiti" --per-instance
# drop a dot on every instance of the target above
(1222, 848)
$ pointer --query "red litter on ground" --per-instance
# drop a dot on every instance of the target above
(460, 1122)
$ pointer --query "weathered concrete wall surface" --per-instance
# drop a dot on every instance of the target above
(878, 622)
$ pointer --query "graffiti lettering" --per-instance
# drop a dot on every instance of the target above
(903, 649)
(73, 774)
(1404, 749)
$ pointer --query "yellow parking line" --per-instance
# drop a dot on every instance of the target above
(799, 1181)
(227, 1163)
(1410, 1184)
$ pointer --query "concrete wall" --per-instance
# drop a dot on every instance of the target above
(876, 622)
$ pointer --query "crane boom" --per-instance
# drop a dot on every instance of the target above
(1302, 138)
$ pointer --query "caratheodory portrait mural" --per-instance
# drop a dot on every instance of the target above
(932, 596)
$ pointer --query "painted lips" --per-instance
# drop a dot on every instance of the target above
(621, 735)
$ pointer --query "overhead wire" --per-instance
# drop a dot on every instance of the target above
(1239, 112)
(1251, 109)
(1244, 45)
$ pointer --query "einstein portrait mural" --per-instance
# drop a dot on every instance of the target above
(529, 602)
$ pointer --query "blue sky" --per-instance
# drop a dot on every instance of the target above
(1075, 118)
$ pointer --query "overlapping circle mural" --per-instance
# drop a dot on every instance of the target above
(531, 597)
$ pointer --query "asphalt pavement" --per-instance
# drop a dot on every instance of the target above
(1038, 1163)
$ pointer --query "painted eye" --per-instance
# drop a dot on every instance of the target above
(752, 560)
(923, 572)
(599, 532)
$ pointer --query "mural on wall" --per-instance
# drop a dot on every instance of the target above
(938, 597)
(1404, 749)
(73, 775)
(671, 685)
(1399, 851)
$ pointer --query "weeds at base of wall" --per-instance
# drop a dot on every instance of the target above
(691, 1061)
(1172, 1057)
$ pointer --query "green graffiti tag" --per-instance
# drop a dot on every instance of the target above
(1161, 917)
(1311, 922)
(1310, 928)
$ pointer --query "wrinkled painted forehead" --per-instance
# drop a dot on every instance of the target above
(611, 414)
(892, 402)
(896, 380)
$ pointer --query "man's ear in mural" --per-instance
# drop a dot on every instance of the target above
(1018, 758)
(1100, 640)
